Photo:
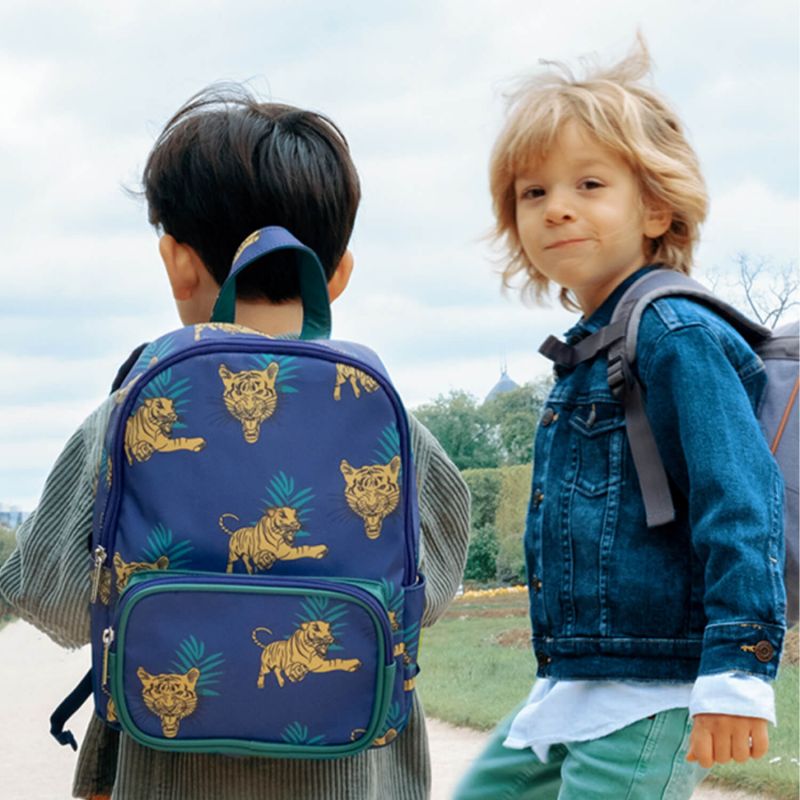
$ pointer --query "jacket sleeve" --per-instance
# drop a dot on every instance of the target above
(45, 580)
(444, 508)
(704, 424)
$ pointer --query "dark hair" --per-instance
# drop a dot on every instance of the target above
(226, 165)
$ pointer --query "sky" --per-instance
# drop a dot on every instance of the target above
(418, 89)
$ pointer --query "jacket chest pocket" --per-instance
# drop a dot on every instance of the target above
(598, 441)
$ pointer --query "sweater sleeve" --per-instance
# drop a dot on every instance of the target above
(444, 508)
(45, 580)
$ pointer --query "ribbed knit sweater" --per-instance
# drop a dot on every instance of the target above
(45, 581)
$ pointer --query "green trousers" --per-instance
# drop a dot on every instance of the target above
(643, 761)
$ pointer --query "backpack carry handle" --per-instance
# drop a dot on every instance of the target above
(313, 285)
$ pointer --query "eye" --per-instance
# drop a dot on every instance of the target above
(590, 183)
(531, 193)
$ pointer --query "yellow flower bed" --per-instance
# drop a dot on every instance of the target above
(482, 594)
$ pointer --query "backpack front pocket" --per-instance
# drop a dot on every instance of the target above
(288, 667)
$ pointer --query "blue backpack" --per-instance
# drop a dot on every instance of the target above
(255, 542)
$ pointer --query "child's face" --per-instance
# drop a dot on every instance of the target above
(581, 218)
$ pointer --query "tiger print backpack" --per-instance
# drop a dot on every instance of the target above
(255, 541)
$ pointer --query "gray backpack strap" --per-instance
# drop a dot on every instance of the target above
(572, 355)
(624, 384)
(780, 422)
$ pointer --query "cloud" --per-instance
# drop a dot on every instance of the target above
(418, 94)
(750, 217)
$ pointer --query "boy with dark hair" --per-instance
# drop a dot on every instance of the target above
(224, 166)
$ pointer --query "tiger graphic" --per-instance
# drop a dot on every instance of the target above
(251, 239)
(271, 539)
(125, 570)
(408, 662)
(170, 696)
(400, 647)
(381, 741)
(373, 492)
(103, 585)
(225, 327)
(345, 373)
(149, 429)
(303, 652)
(250, 397)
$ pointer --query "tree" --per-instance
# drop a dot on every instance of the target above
(761, 289)
(463, 431)
(515, 416)
(7, 542)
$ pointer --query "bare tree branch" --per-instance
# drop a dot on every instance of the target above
(768, 292)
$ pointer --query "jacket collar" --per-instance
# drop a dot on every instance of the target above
(602, 315)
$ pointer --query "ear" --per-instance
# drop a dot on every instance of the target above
(341, 276)
(185, 268)
(271, 372)
(657, 220)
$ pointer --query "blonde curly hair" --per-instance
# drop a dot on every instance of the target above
(615, 106)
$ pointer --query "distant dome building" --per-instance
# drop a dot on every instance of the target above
(504, 385)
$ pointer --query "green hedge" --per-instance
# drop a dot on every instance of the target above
(509, 522)
(7, 542)
(499, 503)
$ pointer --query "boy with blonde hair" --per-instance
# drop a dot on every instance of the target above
(655, 645)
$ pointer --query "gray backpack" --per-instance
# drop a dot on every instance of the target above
(777, 413)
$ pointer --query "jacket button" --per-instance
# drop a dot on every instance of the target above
(548, 416)
(536, 584)
(538, 496)
(542, 659)
(764, 651)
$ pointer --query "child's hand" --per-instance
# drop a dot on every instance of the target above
(716, 738)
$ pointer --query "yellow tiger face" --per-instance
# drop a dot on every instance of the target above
(280, 523)
(124, 569)
(161, 412)
(317, 633)
(170, 696)
(373, 492)
(250, 397)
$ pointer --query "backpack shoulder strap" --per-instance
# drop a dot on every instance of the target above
(624, 384)
(669, 283)
(126, 367)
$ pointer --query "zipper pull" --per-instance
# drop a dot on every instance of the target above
(99, 558)
(108, 638)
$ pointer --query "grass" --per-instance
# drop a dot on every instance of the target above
(477, 666)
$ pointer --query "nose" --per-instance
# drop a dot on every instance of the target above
(558, 208)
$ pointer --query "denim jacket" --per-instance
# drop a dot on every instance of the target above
(612, 599)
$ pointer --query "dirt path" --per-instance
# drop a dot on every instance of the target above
(35, 675)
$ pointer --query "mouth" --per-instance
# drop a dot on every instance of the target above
(564, 243)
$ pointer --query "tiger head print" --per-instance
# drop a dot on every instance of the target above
(170, 696)
(317, 634)
(160, 411)
(250, 397)
(373, 492)
(124, 570)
